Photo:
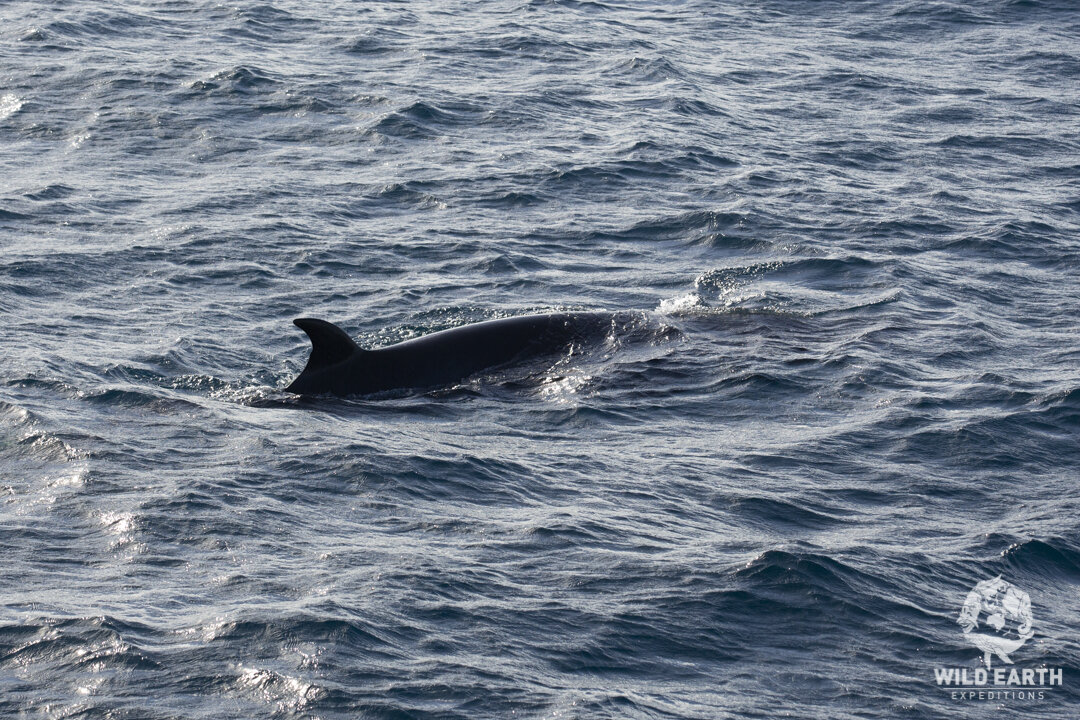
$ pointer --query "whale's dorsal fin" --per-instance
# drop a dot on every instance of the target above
(329, 343)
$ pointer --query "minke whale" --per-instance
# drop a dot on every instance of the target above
(338, 366)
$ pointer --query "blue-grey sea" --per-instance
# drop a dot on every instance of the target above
(842, 240)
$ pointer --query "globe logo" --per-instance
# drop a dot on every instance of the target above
(1007, 624)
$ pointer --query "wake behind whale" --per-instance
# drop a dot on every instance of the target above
(338, 366)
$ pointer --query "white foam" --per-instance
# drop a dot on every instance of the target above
(9, 105)
(682, 304)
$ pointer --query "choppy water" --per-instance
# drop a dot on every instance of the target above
(850, 233)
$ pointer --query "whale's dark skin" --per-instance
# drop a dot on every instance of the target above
(338, 366)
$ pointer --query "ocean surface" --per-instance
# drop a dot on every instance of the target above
(843, 239)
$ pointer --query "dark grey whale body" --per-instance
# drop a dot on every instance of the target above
(338, 366)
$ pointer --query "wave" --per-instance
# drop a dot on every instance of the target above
(238, 80)
(9, 105)
(424, 120)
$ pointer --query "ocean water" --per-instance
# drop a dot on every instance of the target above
(846, 237)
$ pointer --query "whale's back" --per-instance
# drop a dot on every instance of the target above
(339, 367)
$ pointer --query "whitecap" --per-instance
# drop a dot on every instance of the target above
(9, 105)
